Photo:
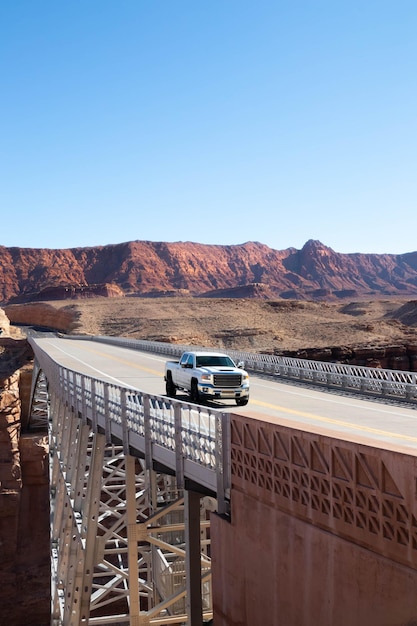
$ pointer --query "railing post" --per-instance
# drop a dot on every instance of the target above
(223, 473)
(148, 431)
(107, 413)
(179, 456)
(125, 429)
(83, 401)
(93, 405)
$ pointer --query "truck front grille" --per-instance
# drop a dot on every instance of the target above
(227, 380)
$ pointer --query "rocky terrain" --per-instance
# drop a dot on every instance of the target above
(24, 499)
(365, 332)
(250, 270)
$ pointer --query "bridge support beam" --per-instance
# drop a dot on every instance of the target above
(128, 545)
(193, 557)
(134, 604)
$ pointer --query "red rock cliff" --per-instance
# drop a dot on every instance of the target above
(24, 498)
(149, 268)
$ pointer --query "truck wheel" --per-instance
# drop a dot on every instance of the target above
(242, 401)
(194, 395)
(170, 387)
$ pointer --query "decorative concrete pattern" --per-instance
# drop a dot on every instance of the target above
(363, 494)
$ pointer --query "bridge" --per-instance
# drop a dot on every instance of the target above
(300, 509)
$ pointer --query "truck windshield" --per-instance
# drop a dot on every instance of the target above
(214, 361)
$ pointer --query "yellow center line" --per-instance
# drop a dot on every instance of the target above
(335, 422)
(275, 407)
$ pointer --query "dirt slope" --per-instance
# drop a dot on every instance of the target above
(248, 324)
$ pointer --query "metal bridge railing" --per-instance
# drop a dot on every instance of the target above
(389, 384)
(190, 439)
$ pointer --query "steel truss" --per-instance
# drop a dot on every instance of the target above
(128, 546)
(38, 414)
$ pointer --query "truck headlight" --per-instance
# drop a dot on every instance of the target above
(206, 377)
(245, 377)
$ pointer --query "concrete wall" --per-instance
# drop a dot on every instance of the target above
(323, 532)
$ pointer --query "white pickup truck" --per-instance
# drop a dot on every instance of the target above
(207, 375)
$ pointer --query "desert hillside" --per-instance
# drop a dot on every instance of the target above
(241, 324)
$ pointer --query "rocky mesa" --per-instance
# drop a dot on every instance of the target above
(144, 268)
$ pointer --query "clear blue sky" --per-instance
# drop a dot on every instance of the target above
(218, 122)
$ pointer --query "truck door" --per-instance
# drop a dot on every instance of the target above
(183, 372)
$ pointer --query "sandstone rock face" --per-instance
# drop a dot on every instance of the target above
(24, 513)
(4, 324)
(43, 315)
(76, 292)
(24, 500)
(399, 357)
(252, 269)
(13, 354)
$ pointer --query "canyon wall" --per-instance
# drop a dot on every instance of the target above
(24, 494)
(397, 357)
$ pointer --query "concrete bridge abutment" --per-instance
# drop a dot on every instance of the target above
(322, 532)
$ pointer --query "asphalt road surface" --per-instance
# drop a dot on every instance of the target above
(365, 421)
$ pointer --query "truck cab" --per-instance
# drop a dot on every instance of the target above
(206, 375)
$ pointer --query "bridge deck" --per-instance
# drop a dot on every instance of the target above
(322, 530)
(361, 420)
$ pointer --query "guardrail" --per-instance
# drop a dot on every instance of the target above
(389, 384)
(190, 439)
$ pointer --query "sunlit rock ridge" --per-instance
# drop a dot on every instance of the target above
(252, 269)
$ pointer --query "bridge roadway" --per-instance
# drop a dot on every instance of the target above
(323, 510)
(365, 421)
